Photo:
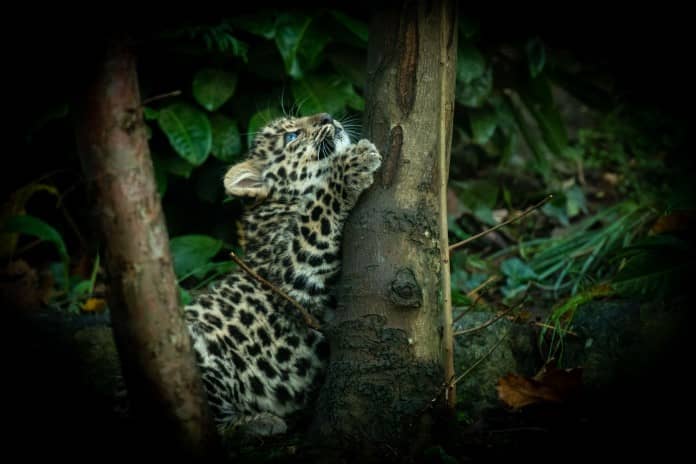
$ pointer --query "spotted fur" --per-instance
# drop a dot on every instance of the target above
(257, 357)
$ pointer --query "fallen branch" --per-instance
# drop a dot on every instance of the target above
(308, 318)
(502, 224)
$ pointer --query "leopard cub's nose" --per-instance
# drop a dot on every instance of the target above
(325, 118)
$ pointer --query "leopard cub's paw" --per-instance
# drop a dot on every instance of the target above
(368, 155)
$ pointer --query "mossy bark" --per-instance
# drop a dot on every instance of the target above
(387, 356)
(158, 363)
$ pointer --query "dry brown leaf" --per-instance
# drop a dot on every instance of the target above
(550, 384)
(672, 222)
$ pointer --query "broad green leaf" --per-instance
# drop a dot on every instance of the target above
(15, 206)
(258, 121)
(476, 193)
(326, 93)
(185, 296)
(193, 251)
(536, 56)
(218, 268)
(575, 201)
(35, 227)
(550, 124)
(557, 209)
(533, 141)
(81, 290)
(173, 165)
(517, 269)
(299, 43)
(475, 93)
(471, 64)
(30, 225)
(290, 30)
(188, 130)
(483, 123)
(519, 274)
(227, 142)
(150, 114)
(213, 87)
(357, 27)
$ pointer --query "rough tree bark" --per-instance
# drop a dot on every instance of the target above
(389, 341)
(159, 368)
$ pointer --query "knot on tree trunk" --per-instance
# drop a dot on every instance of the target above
(404, 290)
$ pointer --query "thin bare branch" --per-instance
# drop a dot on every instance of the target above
(175, 93)
(308, 318)
(485, 324)
(453, 383)
(553, 327)
(475, 291)
(502, 224)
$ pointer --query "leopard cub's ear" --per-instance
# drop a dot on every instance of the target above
(245, 180)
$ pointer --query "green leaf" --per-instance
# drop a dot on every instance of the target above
(575, 201)
(258, 121)
(519, 274)
(517, 269)
(557, 209)
(299, 43)
(359, 28)
(193, 251)
(188, 130)
(475, 93)
(213, 87)
(476, 193)
(35, 227)
(185, 296)
(150, 114)
(483, 123)
(30, 225)
(227, 143)
(81, 290)
(471, 64)
(325, 93)
(536, 56)
(534, 142)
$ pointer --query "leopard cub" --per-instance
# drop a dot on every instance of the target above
(259, 361)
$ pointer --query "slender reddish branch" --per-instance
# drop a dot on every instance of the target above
(308, 318)
(502, 224)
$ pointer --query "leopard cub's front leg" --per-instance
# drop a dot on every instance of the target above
(359, 163)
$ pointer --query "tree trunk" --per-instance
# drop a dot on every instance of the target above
(158, 364)
(391, 340)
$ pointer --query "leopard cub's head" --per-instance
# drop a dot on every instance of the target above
(288, 155)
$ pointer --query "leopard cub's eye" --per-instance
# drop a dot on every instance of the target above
(290, 136)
